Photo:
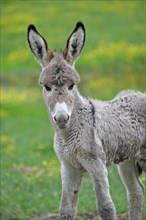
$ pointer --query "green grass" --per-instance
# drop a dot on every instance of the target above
(113, 59)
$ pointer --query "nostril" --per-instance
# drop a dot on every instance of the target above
(67, 118)
(55, 118)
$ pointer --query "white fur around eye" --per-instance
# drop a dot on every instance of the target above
(46, 93)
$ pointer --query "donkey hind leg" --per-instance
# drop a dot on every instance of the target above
(134, 188)
(71, 181)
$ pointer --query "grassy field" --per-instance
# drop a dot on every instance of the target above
(113, 59)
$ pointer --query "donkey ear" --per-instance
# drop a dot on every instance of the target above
(38, 46)
(75, 44)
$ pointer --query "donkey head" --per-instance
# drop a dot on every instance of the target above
(58, 76)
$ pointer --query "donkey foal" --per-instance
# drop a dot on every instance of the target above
(91, 134)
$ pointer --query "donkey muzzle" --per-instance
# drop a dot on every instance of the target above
(61, 115)
(61, 120)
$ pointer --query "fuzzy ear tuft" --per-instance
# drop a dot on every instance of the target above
(38, 46)
(75, 43)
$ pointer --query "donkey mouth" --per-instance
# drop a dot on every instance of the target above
(62, 126)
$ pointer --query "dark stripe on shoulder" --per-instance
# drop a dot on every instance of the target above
(93, 111)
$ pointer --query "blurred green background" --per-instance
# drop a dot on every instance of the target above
(113, 59)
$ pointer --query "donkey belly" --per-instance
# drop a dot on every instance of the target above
(125, 153)
(118, 152)
(121, 139)
(125, 147)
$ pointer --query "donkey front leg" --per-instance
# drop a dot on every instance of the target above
(98, 171)
(71, 181)
(134, 188)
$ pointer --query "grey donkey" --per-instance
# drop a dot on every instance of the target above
(90, 134)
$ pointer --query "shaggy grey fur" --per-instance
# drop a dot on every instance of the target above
(91, 134)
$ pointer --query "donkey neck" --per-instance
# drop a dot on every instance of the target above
(81, 117)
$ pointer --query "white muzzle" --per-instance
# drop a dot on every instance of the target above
(61, 115)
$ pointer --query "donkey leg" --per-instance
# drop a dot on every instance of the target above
(71, 181)
(98, 171)
(135, 191)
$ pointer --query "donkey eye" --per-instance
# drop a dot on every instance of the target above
(47, 88)
(71, 87)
